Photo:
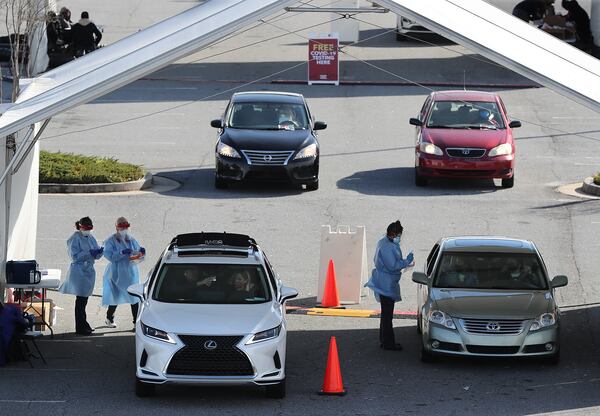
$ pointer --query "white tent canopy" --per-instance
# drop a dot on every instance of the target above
(473, 23)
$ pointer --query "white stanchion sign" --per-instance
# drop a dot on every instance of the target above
(348, 249)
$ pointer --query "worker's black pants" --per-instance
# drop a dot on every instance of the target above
(386, 328)
(81, 324)
(110, 313)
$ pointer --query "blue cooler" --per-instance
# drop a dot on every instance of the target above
(22, 272)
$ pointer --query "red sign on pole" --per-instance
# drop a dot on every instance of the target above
(323, 62)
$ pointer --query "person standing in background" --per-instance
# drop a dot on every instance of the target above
(85, 36)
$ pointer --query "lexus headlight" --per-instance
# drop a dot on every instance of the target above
(306, 152)
(156, 334)
(502, 150)
(430, 149)
(226, 150)
(440, 318)
(545, 320)
(265, 335)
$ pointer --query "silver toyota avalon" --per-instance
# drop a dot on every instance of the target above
(487, 296)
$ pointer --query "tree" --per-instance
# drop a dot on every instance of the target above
(25, 25)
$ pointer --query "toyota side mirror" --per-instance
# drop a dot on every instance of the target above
(217, 124)
(320, 125)
(420, 277)
(514, 124)
(559, 281)
(415, 122)
(137, 290)
(287, 293)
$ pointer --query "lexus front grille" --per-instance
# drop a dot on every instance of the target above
(210, 356)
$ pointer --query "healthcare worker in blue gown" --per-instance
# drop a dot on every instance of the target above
(385, 281)
(122, 271)
(84, 251)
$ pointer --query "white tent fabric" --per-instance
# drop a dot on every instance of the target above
(511, 42)
(22, 229)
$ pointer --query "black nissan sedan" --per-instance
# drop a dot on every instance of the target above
(267, 136)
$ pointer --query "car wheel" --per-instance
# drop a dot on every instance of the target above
(420, 180)
(426, 356)
(220, 183)
(276, 391)
(508, 182)
(312, 186)
(144, 389)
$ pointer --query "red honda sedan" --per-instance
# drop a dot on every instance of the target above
(464, 134)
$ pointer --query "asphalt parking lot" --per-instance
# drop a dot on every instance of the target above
(366, 179)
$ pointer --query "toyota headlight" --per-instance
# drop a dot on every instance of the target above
(265, 335)
(430, 149)
(502, 150)
(440, 318)
(545, 320)
(156, 334)
(306, 152)
(226, 150)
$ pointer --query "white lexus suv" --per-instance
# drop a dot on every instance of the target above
(212, 313)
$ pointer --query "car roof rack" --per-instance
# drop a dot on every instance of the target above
(213, 244)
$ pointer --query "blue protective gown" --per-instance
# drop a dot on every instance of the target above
(81, 275)
(121, 272)
(385, 277)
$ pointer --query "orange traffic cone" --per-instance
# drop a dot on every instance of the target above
(332, 384)
(331, 299)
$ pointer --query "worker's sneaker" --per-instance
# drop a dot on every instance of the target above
(110, 323)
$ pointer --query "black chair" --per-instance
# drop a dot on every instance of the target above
(32, 336)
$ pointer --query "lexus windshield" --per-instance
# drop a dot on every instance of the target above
(268, 116)
(465, 115)
(212, 284)
(510, 271)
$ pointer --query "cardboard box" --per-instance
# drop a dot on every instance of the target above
(36, 310)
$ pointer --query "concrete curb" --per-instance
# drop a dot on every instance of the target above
(60, 188)
(589, 187)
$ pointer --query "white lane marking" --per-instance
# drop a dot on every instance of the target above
(32, 401)
(566, 383)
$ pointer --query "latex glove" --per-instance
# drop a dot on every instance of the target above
(143, 251)
(410, 258)
(126, 251)
(93, 252)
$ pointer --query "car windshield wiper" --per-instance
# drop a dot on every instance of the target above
(481, 127)
(441, 126)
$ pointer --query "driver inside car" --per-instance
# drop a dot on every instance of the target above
(287, 117)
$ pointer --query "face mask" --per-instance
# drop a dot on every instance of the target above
(396, 240)
(86, 232)
(123, 233)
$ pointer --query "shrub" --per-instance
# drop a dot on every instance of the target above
(70, 168)
(597, 179)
